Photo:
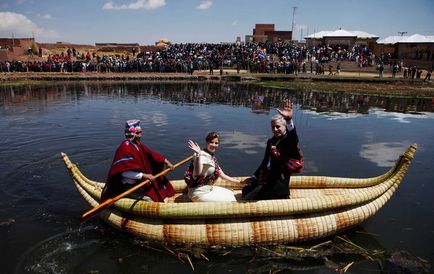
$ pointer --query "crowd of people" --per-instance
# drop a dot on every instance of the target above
(278, 57)
(267, 57)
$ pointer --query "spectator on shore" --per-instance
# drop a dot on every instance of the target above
(428, 75)
(330, 70)
(380, 68)
(394, 69)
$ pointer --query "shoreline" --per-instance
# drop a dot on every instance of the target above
(347, 82)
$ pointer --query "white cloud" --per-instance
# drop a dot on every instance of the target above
(204, 5)
(248, 143)
(140, 4)
(404, 118)
(45, 16)
(21, 26)
(153, 119)
(332, 115)
(205, 117)
(234, 23)
(383, 154)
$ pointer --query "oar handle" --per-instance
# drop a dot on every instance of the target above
(92, 212)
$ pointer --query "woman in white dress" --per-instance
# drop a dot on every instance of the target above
(204, 171)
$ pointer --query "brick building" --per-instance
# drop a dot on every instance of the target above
(11, 48)
(267, 32)
(118, 47)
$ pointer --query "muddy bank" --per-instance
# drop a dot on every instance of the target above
(348, 83)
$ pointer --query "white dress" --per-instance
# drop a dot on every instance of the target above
(209, 193)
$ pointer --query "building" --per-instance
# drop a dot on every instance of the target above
(343, 38)
(387, 45)
(266, 32)
(163, 42)
(118, 47)
(276, 36)
(11, 48)
(415, 46)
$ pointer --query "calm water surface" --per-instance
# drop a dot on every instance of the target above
(351, 136)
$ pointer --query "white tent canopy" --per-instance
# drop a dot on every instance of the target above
(341, 33)
(391, 39)
(415, 38)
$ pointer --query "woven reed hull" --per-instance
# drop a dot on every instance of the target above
(319, 207)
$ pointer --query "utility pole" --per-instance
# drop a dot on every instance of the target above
(402, 33)
(293, 16)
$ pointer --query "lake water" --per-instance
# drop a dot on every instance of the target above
(345, 136)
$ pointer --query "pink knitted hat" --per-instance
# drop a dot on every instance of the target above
(132, 127)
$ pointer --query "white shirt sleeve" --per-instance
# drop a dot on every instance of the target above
(132, 175)
(290, 125)
(206, 159)
(208, 165)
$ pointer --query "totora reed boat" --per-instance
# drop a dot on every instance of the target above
(318, 207)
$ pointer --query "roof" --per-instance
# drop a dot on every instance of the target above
(415, 38)
(162, 42)
(391, 39)
(317, 34)
(342, 33)
(363, 34)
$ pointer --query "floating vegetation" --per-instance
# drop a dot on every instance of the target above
(7, 222)
(339, 254)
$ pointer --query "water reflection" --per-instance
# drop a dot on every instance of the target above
(260, 101)
(350, 136)
(404, 118)
(241, 141)
(383, 154)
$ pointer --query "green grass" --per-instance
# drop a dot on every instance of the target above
(366, 88)
(18, 83)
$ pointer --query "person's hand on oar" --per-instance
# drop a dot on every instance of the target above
(149, 177)
(169, 164)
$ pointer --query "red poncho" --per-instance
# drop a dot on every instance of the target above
(137, 157)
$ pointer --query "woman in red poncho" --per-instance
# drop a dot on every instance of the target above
(135, 162)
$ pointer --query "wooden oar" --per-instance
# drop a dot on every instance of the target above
(89, 214)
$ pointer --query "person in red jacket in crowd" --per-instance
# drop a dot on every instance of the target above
(134, 162)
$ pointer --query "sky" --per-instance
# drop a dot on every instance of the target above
(213, 21)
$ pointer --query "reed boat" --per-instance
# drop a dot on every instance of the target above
(319, 206)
